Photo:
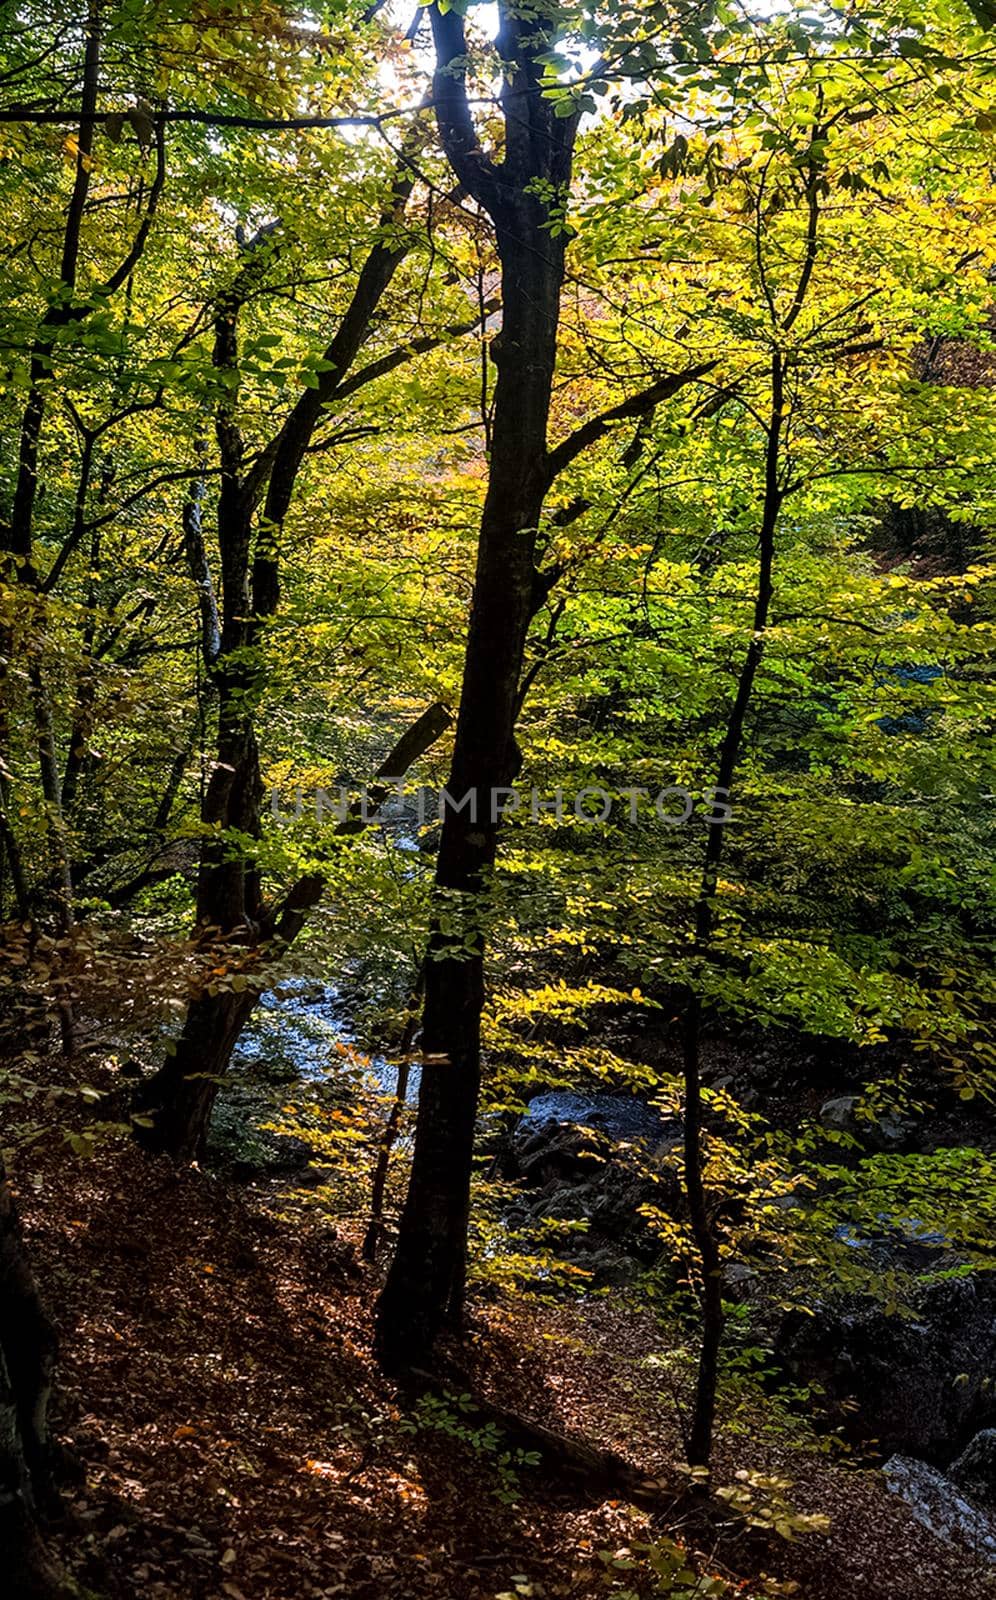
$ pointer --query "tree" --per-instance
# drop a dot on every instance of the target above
(230, 903)
(525, 193)
(791, 427)
(67, 310)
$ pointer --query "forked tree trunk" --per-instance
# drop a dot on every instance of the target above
(426, 1277)
(175, 1104)
(180, 1095)
(177, 1100)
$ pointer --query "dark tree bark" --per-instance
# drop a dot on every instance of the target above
(376, 1227)
(18, 534)
(175, 1104)
(229, 899)
(701, 1213)
(425, 1281)
(27, 1358)
(179, 1098)
(699, 1444)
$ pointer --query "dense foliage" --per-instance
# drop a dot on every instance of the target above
(600, 419)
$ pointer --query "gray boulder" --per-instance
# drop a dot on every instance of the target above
(597, 1159)
(935, 1501)
(918, 1384)
(975, 1469)
(888, 1133)
(838, 1113)
(565, 1137)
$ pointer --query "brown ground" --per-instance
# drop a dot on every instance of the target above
(217, 1385)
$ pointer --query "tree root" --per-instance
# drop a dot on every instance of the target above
(603, 1474)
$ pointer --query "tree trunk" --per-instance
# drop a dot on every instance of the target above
(27, 1358)
(425, 1282)
(17, 535)
(699, 1443)
(378, 1189)
(180, 1095)
(426, 1276)
(17, 542)
(175, 1103)
(704, 1233)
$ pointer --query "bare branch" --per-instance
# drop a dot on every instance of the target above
(637, 405)
(414, 347)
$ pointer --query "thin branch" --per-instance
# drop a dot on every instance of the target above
(127, 266)
(827, 616)
(414, 347)
(206, 118)
(637, 405)
(812, 228)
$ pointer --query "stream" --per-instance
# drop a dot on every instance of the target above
(301, 1033)
(920, 1384)
(303, 1029)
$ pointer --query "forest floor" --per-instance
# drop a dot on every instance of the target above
(217, 1386)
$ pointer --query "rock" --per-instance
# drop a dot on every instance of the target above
(621, 1116)
(597, 1159)
(740, 1282)
(975, 1469)
(919, 1385)
(903, 1244)
(610, 1269)
(934, 1501)
(567, 1136)
(839, 1113)
(887, 1133)
(891, 1133)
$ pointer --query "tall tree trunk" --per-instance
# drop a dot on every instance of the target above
(229, 899)
(775, 488)
(425, 1281)
(176, 1102)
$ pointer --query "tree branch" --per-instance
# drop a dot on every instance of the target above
(127, 266)
(475, 170)
(276, 468)
(415, 347)
(638, 405)
(286, 917)
(210, 119)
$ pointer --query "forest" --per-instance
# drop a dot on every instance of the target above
(497, 898)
